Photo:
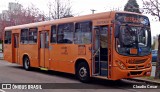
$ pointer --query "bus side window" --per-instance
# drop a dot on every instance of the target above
(33, 35)
(24, 36)
(7, 39)
(83, 33)
(65, 33)
(104, 37)
(53, 34)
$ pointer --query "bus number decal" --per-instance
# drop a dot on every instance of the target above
(81, 50)
(65, 50)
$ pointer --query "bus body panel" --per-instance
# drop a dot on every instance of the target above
(8, 53)
(16, 48)
(63, 57)
(31, 50)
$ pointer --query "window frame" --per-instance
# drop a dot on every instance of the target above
(90, 26)
(26, 36)
(8, 37)
(33, 35)
(54, 33)
(71, 29)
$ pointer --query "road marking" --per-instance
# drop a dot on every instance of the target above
(2, 90)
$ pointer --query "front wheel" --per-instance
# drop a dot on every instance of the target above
(83, 72)
(26, 63)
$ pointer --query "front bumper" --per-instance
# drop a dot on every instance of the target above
(118, 73)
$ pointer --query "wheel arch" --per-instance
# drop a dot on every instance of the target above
(78, 61)
(24, 55)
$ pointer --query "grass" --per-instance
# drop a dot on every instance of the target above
(149, 77)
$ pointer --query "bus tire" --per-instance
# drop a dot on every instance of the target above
(83, 72)
(26, 63)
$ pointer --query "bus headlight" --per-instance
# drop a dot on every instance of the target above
(148, 65)
(121, 65)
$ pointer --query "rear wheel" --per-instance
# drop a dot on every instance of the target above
(26, 63)
(83, 72)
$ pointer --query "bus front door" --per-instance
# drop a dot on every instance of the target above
(44, 49)
(100, 51)
(16, 46)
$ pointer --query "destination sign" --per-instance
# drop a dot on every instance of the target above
(132, 18)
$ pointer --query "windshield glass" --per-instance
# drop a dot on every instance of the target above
(132, 34)
(133, 37)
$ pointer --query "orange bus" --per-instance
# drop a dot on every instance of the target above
(109, 45)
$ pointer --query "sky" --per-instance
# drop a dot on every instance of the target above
(83, 7)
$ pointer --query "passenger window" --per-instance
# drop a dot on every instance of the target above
(7, 37)
(53, 34)
(24, 36)
(104, 37)
(83, 33)
(33, 35)
(65, 33)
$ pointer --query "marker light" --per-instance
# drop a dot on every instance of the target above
(148, 65)
(121, 65)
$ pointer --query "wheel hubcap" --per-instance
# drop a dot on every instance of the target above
(26, 64)
(83, 72)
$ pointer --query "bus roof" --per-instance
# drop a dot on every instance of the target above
(67, 20)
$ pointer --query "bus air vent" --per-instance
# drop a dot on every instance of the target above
(135, 72)
(137, 61)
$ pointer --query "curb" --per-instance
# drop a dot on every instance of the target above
(146, 81)
(1, 58)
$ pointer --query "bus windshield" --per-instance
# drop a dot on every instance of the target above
(131, 36)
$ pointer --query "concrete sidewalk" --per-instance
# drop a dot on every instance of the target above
(147, 80)
(1, 55)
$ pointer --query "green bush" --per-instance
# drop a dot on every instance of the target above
(1, 41)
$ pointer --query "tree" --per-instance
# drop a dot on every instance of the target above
(132, 6)
(152, 7)
(59, 9)
(153, 46)
(158, 61)
(20, 15)
(116, 9)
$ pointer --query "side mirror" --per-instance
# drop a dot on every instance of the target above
(149, 36)
(117, 31)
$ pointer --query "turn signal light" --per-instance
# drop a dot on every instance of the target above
(148, 65)
(121, 65)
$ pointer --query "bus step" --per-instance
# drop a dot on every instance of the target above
(104, 64)
(97, 67)
(104, 58)
(42, 68)
(104, 72)
(101, 77)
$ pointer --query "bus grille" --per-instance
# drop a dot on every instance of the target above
(136, 67)
(137, 61)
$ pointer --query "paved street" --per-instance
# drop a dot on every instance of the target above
(13, 73)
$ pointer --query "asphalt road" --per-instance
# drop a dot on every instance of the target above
(13, 73)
